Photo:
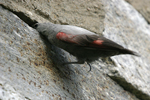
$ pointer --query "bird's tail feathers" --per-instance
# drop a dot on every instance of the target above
(127, 51)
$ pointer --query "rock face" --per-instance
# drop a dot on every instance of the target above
(132, 31)
(142, 7)
(29, 64)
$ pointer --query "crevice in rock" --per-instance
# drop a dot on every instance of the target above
(129, 87)
(21, 15)
(27, 19)
(44, 15)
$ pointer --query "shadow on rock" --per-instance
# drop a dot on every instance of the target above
(66, 73)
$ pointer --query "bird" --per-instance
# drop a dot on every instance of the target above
(85, 45)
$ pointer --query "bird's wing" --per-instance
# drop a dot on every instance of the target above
(88, 41)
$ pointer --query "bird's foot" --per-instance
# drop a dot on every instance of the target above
(89, 66)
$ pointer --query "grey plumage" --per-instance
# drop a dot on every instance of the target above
(83, 44)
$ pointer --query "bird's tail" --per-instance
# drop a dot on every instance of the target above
(127, 51)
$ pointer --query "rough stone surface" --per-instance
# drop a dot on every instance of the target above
(30, 66)
(142, 6)
(86, 13)
(126, 26)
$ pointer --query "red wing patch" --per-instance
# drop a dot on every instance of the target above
(61, 35)
(97, 44)
(81, 40)
(66, 37)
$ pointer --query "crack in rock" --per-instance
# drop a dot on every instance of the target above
(129, 87)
